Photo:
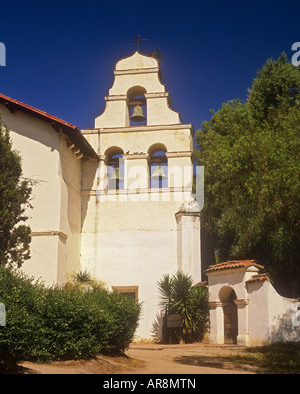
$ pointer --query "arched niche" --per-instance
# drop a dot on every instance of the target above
(227, 294)
(136, 97)
(158, 166)
(115, 168)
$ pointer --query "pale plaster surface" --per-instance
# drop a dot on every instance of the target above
(263, 315)
(56, 196)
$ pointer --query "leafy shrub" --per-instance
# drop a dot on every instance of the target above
(16, 293)
(45, 324)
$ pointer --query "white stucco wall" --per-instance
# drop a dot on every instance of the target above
(70, 222)
(55, 216)
(270, 315)
(259, 314)
(263, 315)
(131, 243)
(234, 278)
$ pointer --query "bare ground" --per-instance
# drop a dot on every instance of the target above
(153, 359)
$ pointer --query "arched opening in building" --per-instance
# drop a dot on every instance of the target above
(227, 296)
(115, 168)
(158, 166)
(137, 106)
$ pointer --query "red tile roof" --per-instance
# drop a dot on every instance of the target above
(68, 128)
(258, 278)
(233, 265)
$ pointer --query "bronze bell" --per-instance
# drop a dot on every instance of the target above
(159, 172)
(116, 175)
(138, 115)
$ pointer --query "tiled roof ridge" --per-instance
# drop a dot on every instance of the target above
(258, 278)
(232, 264)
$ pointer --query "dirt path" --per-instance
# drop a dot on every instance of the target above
(187, 359)
(153, 359)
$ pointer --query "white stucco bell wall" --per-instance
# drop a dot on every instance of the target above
(132, 237)
(137, 71)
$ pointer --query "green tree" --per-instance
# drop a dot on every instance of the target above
(14, 199)
(179, 296)
(250, 152)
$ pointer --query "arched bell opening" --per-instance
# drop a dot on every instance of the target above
(115, 168)
(137, 106)
(158, 166)
(227, 296)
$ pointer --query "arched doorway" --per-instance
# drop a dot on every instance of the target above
(227, 296)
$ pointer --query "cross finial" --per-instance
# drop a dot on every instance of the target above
(138, 39)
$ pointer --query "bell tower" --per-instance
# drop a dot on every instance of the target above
(139, 218)
(136, 76)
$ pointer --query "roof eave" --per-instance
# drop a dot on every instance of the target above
(67, 128)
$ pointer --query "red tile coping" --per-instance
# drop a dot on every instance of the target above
(258, 278)
(36, 111)
(233, 265)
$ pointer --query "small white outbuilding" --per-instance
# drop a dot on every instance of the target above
(245, 309)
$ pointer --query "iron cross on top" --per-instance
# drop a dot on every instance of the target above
(138, 39)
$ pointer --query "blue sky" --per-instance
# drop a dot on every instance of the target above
(60, 55)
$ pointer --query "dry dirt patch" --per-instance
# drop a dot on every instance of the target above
(188, 359)
(99, 365)
(152, 359)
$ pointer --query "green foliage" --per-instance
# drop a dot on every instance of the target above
(250, 152)
(45, 324)
(179, 296)
(83, 280)
(14, 199)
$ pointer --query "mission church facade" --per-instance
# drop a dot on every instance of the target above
(114, 200)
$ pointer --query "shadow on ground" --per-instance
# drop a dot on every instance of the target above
(215, 362)
(17, 370)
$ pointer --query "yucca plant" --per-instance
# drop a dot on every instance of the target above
(178, 295)
(165, 288)
(83, 280)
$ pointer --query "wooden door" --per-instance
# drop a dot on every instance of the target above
(230, 323)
